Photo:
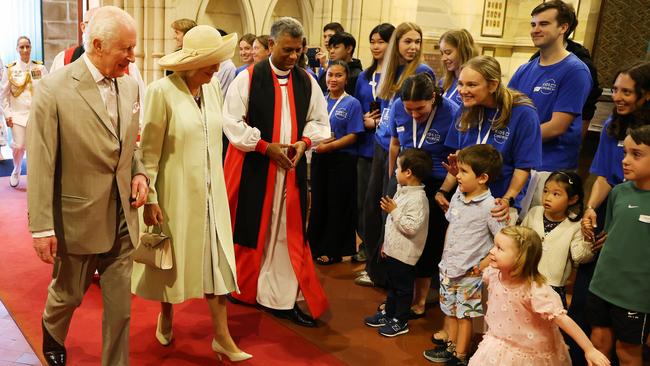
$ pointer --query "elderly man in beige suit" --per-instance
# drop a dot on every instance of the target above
(87, 182)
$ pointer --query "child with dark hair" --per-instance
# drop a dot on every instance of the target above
(558, 223)
(406, 232)
(618, 305)
(469, 239)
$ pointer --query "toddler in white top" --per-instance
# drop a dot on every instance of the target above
(406, 232)
(557, 222)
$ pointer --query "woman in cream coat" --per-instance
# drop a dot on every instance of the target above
(181, 147)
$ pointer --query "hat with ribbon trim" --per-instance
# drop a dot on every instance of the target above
(202, 46)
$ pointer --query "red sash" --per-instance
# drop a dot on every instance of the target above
(249, 260)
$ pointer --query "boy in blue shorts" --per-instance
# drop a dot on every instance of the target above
(618, 306)
(469, 239)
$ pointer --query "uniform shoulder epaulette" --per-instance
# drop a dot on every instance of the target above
(11, 64)
(37, 62)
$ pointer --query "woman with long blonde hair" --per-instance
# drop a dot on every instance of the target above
(456, 48)
(502, 117)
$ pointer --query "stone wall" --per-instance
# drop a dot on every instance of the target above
(357, 16)
(60, 27)
(623, 37)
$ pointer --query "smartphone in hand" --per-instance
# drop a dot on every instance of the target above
(375, 106)
(311, 56)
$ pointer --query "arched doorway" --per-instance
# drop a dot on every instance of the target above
(223, 14)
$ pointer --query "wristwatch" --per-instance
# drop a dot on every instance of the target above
(511, 201)
(440, 190)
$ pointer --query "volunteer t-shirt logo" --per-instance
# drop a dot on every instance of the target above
(547, 87)
(501, 135)
(384, 117)
(341, 113)
(433, 137)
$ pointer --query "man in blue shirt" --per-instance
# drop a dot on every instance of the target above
(558, 83)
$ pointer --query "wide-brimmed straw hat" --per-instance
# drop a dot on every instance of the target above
(202, 46)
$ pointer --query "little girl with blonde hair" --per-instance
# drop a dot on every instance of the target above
(524, 313)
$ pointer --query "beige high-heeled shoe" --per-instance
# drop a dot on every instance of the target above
(232, 356)
(164, 339)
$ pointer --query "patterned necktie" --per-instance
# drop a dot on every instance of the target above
(110, 99)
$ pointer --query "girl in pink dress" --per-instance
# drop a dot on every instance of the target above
(524, 314)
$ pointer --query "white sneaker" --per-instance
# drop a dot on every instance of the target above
(364, 280)
(14, 179)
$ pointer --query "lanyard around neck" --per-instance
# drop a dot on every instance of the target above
(373, 86)
(450, 93)
(480, 123)
(337, 103)
(426, 129)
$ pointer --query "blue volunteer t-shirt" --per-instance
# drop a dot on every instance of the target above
(363, 92)
(401, 126)
(312, 73)
(520, 143)
(382, 133)
(345, 119)
(561, 87)
(608, 161)
(241, 68)
(452, 93)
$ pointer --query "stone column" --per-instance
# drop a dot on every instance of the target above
(158, 39)
(138, 15)
(60, 27)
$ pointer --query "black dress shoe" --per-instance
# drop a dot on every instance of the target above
(295, 315)
(55, 358)
(54, 353)
(232, 300)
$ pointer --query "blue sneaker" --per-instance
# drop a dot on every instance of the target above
(377, 320)
(394, 328)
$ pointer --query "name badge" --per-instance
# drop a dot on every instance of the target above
(400, 128)
(644, 218)
(620, 143)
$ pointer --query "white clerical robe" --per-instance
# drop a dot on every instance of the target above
(277, 286)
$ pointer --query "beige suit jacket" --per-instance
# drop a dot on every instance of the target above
(78, 165)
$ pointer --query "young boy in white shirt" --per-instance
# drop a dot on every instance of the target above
(406, 232)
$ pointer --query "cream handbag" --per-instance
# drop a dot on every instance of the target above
(154, 249)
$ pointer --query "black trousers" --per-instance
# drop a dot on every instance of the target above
(400, 280)
(332, 221)
(363, 175)
(372, 215)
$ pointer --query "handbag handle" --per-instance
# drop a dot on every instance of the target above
(149, 229)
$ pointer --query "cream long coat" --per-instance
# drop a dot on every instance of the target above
(174, 155)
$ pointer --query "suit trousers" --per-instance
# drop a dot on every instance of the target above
(71, 278)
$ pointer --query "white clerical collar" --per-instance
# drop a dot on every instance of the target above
(278, 71)
(94, 71)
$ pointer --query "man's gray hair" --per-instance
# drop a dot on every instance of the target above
(105, 24)
(286, 25)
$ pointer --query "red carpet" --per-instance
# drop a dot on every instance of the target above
(23, 289)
